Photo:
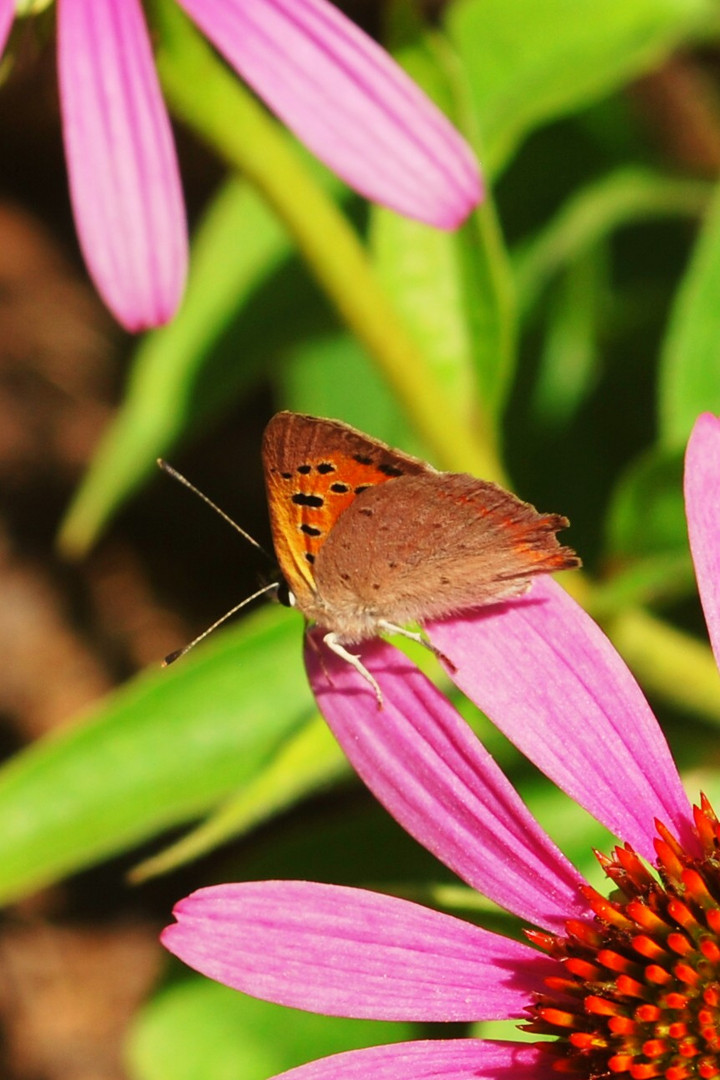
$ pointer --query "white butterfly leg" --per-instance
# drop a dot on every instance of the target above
(332, 643)
(413, 635)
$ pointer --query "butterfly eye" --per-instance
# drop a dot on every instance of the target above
(284, 595)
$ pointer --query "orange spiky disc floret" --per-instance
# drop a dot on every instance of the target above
(639, 993)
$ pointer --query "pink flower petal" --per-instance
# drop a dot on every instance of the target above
(124, 181)
(422, 761)
(702, 506)
(547, 676)
(451, 1059)
(348, 101)
(7, 13)
(350, 952)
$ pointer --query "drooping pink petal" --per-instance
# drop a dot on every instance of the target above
(124, 180)
(348, 102)
(702, 506)
(548, 677)
(447, 1059)
(350, 952)
(424, 764)
(7, 12)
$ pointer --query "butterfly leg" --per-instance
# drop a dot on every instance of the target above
(332, 643)
(413, 635)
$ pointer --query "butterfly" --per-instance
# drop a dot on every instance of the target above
(369, 539)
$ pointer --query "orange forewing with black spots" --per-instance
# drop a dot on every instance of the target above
(314, 470)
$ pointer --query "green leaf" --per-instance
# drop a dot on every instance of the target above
(671, 664)
(532, 61)
(649, 581)
(306, 763)
(569, 361)
(647, 514)
(647, 553)
(333, 376)
(329, 245)
(593, 213)
(197, 1028)
(237, 246)
(160, 752)
(420, 268)
(690, 359)
(454, 289)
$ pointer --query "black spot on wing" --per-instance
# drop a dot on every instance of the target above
(325, 467)
(301, 499)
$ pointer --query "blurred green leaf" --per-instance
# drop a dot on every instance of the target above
(420, 268)
(532, 61)
(237, 246)
(197, 1028)
(626, 195)
(330, 246)
(333, 376)
(647, 512)
(690, 359)
(649, 580)
(674, 666)
(454, 289)
(160, 752)
(569, 361)
(306, 763)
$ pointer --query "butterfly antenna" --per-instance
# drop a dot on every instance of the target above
(173, 656)
(250, 539)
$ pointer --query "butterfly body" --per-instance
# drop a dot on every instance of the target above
(369, 538)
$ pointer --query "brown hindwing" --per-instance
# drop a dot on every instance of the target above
(443, 543)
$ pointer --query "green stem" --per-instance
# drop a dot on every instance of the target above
(229, 118)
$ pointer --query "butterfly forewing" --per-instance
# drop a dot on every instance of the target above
(444, 543)
(314, 472)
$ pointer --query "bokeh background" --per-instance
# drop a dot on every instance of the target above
(573, 326)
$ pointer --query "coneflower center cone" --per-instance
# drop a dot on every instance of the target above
(639, 991)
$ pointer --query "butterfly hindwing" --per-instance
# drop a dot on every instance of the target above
(443, 543)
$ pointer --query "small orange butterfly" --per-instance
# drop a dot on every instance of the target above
(368, 538)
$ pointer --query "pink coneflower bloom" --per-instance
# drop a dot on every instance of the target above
(628, 986)
(333, 86)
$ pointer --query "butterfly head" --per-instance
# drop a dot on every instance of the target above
(284, 594)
